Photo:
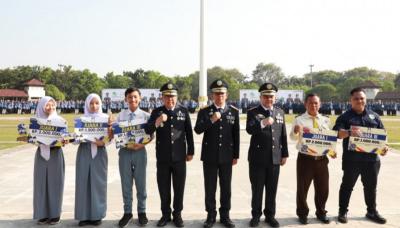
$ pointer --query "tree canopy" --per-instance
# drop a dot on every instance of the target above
(69, 83)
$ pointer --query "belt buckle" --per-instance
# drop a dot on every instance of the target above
(318, 158)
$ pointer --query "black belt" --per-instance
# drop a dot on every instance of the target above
(312, 157)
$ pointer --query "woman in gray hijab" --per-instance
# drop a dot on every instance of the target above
(91, 173)
(48, 173)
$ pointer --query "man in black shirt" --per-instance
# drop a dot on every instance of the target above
(355, 163)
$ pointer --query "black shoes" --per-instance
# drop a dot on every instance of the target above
(373, 216)
(89, 222)
(323, 219)
(254, 222)
(376, 217)
(95, 222)
(178, 221)
(272, 221)
(227, 222)
(42, 221)
(125, 220)
(210, 221)
(303, 220)
(163, 221)
(84, 223)
(54, 221)
(342, 217)
(142, 219)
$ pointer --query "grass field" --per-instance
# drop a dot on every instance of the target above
(8, 126)
(8, 123)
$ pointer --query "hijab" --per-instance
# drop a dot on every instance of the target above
(98, 113)
(41, 113)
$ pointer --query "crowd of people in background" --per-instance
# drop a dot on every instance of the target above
(289, 107)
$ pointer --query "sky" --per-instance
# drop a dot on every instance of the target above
(163, 35)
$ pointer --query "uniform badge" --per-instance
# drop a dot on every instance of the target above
(230, 119)
(180, 116)
(269, 86)
(219, 83)
(169, 86)
(279, 118)
(371, 116)
(260, 117)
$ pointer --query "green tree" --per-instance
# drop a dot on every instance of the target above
(154, 79)
(138, 78)
(232, 76)
(83, 83)
(397, 82)
(268, 73)
(323, 77)
(293, 82)
(185, 86)
(326, 92)
(16, 77)
(387, 86)
(235, 79)
(344, 88)
(361, 72)
(53, 91)
(117, 81)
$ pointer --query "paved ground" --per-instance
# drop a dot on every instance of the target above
(16, 180)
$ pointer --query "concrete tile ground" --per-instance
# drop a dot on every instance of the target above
(16, 181)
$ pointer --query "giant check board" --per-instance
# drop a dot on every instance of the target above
(90, 129)
(372, 140)
(318, 142)
(127, 132)
(47, 131)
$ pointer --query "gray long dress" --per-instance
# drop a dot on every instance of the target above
(48, 184)
(91, 183)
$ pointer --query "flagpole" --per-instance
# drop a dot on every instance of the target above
(203, 68)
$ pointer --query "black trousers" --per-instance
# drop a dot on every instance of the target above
(263, 176)
(211, 172)
(176, 171)
(309, 169)
(369, 178)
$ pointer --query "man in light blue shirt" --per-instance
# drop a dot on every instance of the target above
(133, 162)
